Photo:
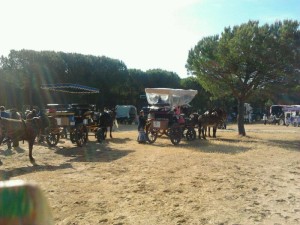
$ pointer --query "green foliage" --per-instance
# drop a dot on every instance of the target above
(23, 72)
(202, 99)
(246, 59)
(139, 80)
(162, 78)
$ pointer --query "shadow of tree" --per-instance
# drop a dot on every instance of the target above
(286, 144)
(92, 152)
(7, 174)
(205, 145)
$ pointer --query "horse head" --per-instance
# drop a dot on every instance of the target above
(193, 118)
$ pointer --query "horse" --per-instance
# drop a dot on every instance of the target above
(18, 130)
(193, 119)
(106, 119)
(211, 118)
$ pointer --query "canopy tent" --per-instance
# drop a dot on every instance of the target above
(168, 96)
(70, 88)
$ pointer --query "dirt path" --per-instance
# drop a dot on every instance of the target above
(227, 180)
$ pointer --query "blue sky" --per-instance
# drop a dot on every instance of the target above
(144, 34)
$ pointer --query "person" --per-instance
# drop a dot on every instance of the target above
(4, 139)
(179, 117)
(141, 128)
(265, 119)
(15, 114)
(27, 111)
(31, 114)
(3, 113)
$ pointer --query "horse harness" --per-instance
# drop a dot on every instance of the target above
(15, 130)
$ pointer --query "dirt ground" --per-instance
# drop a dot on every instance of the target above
(227, 180)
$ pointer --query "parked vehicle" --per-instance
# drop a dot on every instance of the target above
(292, 118)
(164, 115)
(75, 119)
(283, 114)
(126, 114)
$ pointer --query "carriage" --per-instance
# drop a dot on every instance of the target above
(164, 115)
(76, 121)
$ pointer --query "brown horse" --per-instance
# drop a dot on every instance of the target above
(27, 130)
(106, 119)
(211, 118)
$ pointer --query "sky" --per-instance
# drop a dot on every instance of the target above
(144, 34)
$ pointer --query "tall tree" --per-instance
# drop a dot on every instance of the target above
(201, 102)
(247, 58)
(162, 78)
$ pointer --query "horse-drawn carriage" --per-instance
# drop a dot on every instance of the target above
(164, 116)
(75, 120)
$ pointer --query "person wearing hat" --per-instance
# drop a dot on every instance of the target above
(15, 114)
(3, 113)
(141, 128)
(32, 114)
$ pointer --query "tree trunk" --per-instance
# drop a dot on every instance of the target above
(240, 118)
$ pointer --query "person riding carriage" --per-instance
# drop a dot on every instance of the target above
(165, 114)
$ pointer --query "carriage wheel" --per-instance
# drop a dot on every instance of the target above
(151, 135)
(52, 139)
(190, 134)
(100, 135)
(72, 135)
(281, 122)
(175, 135)
(81, 135)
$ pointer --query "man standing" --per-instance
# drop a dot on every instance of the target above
(141, 128)
(265, 119)
(3, 113)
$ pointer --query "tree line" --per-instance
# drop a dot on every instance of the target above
(246, 63)
(249, 62)
(23, 72)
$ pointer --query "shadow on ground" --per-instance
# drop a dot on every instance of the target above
(214, 147)
(92, 152)
(285, 144)
(7, 174)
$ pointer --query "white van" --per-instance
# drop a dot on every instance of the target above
(126, 114)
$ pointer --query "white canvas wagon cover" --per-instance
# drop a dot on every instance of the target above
(169, 96)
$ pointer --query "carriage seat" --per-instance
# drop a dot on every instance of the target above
(161, 115)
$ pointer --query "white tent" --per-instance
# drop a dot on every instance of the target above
(169, 96)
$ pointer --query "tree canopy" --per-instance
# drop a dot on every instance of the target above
(23, 72)
(247, 58)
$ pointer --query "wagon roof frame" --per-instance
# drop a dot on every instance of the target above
(70, 88)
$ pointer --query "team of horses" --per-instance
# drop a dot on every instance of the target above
(28, 129)
(212, 118)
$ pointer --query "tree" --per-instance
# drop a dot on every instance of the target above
(162, 78)
(201, 101)
(245, 59)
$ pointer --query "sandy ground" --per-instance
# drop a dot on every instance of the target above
(227, 180)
